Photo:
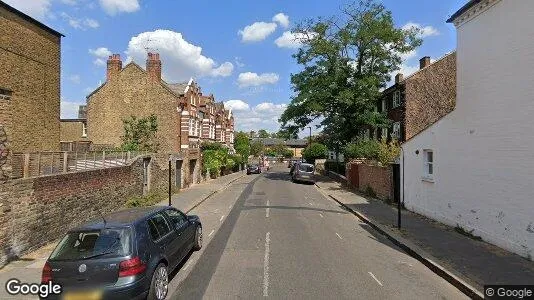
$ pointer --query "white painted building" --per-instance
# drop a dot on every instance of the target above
(474, 168)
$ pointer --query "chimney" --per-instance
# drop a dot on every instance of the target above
(114, 65)
(424, 62)
(399, 77)
(153, 67)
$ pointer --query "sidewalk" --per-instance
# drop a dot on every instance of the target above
(28, 268)
(440, 247)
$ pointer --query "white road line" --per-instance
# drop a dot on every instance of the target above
(267, 211)
(321, 215)
(372, 275)
(212, 231)
(186, 266)
(266, 265)
(222, 217)
(339, 236)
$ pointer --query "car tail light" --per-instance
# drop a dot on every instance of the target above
(131, 267)
(46, 276)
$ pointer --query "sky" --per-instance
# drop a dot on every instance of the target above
(238, 50)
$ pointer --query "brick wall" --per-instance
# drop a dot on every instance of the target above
(72, 131)
(363, 175)
(30, 68)
(37, 211)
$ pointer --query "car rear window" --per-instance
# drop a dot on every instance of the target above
(306, 168)
(108, 242)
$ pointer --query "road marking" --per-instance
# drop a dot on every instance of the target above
(267, 210)
(321, 215)
(339, 236)
(212, 231)
(372, 275)
(186, 266)
(266, 265)
(222, 217)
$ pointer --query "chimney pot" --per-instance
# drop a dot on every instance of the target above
(399, 77)
(114, 66)
(424, 62)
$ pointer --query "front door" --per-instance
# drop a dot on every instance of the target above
(396, 182)
(178, 173)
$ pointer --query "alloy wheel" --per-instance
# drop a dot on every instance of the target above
(162, 283)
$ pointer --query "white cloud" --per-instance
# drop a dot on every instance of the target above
(253, 79)
(292, 40)
(80, 23)
(69, 109)
(236, 105)
(281, 19)
(238, 62)
(180, 59)
(262, 116)
(425, 31)
(408, 55)
(101, 55)
(257, 31)
(113, 7)
(75, 78)
(38, 9)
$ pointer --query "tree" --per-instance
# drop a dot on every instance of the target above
(211, 146)
(242, 145)
(287, 134)
(262, 133)
(314, 151)
(279, 149)
(257, 148)
(346, 62)
(140, 134)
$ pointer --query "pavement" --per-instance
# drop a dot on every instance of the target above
(28, 268)
(467, 261)
(268, 237)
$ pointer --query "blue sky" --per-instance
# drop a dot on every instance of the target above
(236, 50)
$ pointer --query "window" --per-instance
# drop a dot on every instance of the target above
(396, 99)
(84, 129)
(384, 107)
(190, 126)
(384, 133)
(158, 227)
(192, 101)
(177, 217)
(428, 172)
(396, 130)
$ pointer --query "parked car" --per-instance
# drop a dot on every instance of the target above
(127, 254)
(253, 169)
(303, 173)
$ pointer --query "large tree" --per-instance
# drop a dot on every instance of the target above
(262, 133)
(257, 148)
(346, 62)
(242, 145)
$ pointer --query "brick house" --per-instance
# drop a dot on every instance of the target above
(207, 111)
(29, 82)
(419, 100)
(73, 132)
(224, 128)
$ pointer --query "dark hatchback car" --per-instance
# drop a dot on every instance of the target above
(124, 255)
(253, 169)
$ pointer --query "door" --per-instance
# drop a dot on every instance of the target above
(192, 164)
(165, 238)
(396, 182)
(185, 232)
(178, 174)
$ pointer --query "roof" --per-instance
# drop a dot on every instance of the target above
(297, 142)
(120, 218)
(463, 9)
(30, 19)
(178, 88)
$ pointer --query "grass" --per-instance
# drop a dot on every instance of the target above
(468, 234)
(148, 200)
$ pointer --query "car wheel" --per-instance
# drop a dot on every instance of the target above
(159, 287)
(198, 239)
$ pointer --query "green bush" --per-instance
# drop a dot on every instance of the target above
(388, 152)
(368, 149)
(314, 151)
(370, 192)
(211, 146)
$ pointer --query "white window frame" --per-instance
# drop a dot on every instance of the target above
(428, 165)
(396, 99)
(384, 108)
(384, 133)
(190, 126)
(84, 129)
(396, 132)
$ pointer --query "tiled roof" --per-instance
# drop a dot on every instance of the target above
(178, 88)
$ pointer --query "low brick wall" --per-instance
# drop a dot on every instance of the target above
(378, 178)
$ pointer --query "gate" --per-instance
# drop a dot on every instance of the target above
(396, 182)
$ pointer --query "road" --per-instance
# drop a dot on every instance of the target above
(265, 236)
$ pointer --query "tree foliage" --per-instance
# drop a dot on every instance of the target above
(314, 151)
(242, 145)
(140, 134)
(346, 62)
(211, 146)
(363, 149)
(388, 152)
(257, 148)
(262, 133)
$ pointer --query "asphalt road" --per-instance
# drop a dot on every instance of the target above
(268, 237)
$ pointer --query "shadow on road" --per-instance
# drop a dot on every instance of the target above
(293, 207)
